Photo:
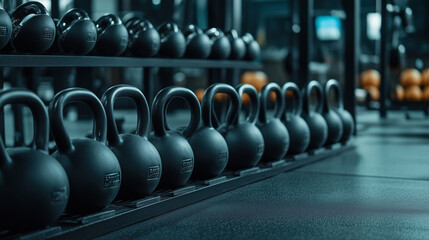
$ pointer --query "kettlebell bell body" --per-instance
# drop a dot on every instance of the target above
(140, 161)
(316, 122)
(252, 47)
(333, 119)
(5, 28)
(112, 36)
(209, 146)
(93, 170)
(221, 48)
(275, 133)
(298, 129)
(76, 32)
(245, 141)
(345, 116)
(238, 47)
(144, 39)
(34, 187)
(33, 30)
(198, 44)
(173, 42)
(176, 153)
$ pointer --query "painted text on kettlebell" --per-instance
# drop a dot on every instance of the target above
(112, 179)
(187, 164)
(154, 172)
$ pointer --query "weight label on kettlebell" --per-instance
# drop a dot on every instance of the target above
(187, 165)
(3, 31)
(60, 195)
(124, 41)
(154, 172)
(261, 149)
(222, 156)
(90, 37)
(112, 179)
(48, 33)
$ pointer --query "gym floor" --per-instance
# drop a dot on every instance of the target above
(380, 189)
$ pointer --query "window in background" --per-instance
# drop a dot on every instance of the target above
(373, 21)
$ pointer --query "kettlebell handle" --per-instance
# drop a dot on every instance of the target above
(207, 104)
(291, 86)
(70, 17)
(143, 116)
(254, 101)
(333, 84)
(159, 110)
(25, 9)
(307, 94)
(264, 98)
(56, 109)
(40, 118)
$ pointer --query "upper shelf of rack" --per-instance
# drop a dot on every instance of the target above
(97, 61)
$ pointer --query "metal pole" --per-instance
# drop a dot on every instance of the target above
(352, 53)
(384, 73)
(306, 16)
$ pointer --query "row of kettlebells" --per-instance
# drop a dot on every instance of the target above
(87, 174)
(30, 29)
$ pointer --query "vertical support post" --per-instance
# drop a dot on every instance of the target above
(2, 111)
(384, 73)
(306, 36)
(352, 53)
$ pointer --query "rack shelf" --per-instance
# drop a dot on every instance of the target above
(122, 214)
(97, 61)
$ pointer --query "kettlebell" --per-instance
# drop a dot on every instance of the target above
(238, 48)
(252, 47)
(316, 122)
(245, 141)
(112, 36)
(140, 161)
(76, 32)
(34, 188)
(221, 48)
(176, 153)
(173, 43)
(275, 133)
(144, 40)
(92, 168)
(333, 119)
(299, 132)
(345, 116)
(198, 44)
(209, 146)
(33, 30)
(5, 28)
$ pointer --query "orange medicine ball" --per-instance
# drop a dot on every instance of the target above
(374, 92)
(400, 93)
(369, 78)
(199, 92)
(413, 93)
(426, 93)
(425, 77)
(410, 77)
(256, 79)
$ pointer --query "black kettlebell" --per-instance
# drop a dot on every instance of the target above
(275, 133)
(76, 32)
(252, 47)
(198, 44)
(345, 116)
(112, 36)
(176, 153)
(221, 48)
(238, 47)
(144, 39)
(34, 188)
(92, 168)
(316, 122)
(333, 119)
(209, 146)
(299, 132)
(5, 28)
(173, 43)
(33, 28)
(245, 141)
(140, 161)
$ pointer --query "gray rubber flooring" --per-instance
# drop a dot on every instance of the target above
(379, 190)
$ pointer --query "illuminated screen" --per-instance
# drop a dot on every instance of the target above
(328, 28)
